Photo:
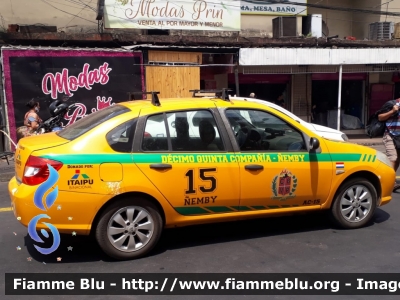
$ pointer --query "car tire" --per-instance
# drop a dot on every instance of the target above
(129, 228)
(354, 204)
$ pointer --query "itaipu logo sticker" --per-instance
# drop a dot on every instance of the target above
(45, 204)
(80, 181)
(284, 186)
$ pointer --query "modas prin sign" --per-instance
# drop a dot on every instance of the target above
(178, 15)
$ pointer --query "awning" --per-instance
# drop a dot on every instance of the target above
(260, 78)
(212, 49)
(335, 76)
(311, 56)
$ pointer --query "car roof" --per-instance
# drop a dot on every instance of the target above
(183, 103)
(168, 102)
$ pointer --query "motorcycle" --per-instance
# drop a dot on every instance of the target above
(58, 109)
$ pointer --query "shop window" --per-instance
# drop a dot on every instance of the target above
(157, 32)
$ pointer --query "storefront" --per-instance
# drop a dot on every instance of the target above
(89, 79)
(267, 87)
(324, 95)
(345, 85)
(175, 70)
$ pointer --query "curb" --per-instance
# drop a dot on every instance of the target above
(5, 177)
(369, 144)
(6, 171)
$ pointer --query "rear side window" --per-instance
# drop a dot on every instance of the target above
(121, 137)
(85, 124)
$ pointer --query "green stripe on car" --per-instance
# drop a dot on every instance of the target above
(368, 158)
(197, 210)
(193, 158)
(90, 159)
(258, 207)
(187, 211)
(241, 208)
(219, 209)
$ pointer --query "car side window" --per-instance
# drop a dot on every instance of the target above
(257, 130)
(155, 134)
(85, 124)
(188, 131)
(121, 137)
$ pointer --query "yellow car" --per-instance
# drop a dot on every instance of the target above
(128, 171)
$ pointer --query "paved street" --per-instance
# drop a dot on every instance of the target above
(286, 244)
(200, 102)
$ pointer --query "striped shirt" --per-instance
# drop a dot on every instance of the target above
(393, 125)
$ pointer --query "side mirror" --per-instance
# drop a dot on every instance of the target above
(314, 143)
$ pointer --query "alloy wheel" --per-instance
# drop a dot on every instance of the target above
(356, 203)
(130, 228)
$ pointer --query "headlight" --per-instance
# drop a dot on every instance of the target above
(345, 137)
(383, 158)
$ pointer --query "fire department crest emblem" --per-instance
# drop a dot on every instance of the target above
(284, 185)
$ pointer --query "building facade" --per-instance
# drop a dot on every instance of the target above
(256, 18)
(275, 50)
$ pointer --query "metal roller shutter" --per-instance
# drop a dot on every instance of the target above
(301, 91)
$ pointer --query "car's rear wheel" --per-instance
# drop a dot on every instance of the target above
(129, 228)
(354, 204)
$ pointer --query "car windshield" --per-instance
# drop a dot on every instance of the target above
(281, 110)
(85, 124)
(288, 113)
(240, 118)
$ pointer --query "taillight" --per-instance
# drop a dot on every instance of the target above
(147, 135)
(36, 170)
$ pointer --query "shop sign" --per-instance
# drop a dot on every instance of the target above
(179, 14)
(280, 9)
(91, 80)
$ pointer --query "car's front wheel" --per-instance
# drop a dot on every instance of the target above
(129, 228)
(354, 204)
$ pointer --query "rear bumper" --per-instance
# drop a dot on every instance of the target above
(23, 210)
(71, 212)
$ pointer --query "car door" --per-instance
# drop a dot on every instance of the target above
(276, 168)
(184, 154)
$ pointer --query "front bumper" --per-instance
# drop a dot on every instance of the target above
(387, 178)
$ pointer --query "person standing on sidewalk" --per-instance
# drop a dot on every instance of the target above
(392, 118)
(31, 120)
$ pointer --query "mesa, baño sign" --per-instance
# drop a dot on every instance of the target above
(283, 8)
(178, 14)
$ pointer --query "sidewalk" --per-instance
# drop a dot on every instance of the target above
(6, 171)
(363, 139)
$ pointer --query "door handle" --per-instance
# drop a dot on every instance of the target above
(254, 167)
(160, 166)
